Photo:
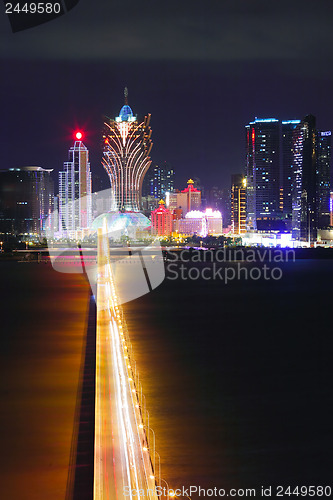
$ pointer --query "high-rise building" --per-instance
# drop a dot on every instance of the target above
(262, 170)
(159, 180)
(188, 199)
(323, 151)
(238, 204)
(288, 128)
(161, 220)
(197, 184)
(75, 199)
(302, 154)
(304, 191)
(26, 202)
(126, 149)
(310, 180)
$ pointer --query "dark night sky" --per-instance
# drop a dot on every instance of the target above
(202, 69)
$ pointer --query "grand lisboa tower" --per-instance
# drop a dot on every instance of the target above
(126, 149)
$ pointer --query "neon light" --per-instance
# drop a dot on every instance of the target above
(266, 120)
(291, 122)
(325, 134)
(126, 157)
(197, 214)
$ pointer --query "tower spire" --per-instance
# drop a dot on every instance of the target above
(126, 95)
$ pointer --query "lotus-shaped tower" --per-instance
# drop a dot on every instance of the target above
(126, 148)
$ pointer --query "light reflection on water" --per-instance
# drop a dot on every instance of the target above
(237, 378)
(43, 317)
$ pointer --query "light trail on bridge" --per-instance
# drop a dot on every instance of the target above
(122, 462)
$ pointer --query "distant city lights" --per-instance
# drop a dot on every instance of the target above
(197, 214)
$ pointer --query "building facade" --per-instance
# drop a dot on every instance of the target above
(262, 170)
(126, 148)
(288, 133)
(188, 199)
(204, 223)
(161, 220)
(311, 180)
(75, 197)
(26, 202)
(238, 204)
(158, 181)
(323, 152)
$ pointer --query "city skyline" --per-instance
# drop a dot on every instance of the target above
(286, 180)
(101, 174)
(212, 172)
(183, 345)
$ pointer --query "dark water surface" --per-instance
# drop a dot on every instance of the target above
(238, 377)
(43, 320)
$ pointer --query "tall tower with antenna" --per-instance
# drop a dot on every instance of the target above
(126, 147)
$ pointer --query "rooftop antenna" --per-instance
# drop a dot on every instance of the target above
(126, 95)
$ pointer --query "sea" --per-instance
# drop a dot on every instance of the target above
(237, 375)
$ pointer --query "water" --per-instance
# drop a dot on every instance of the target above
(43, 318)
(237, 377)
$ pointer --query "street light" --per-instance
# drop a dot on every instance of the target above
(147, 428)
(168, 489)
(159, 468)
(154, 441)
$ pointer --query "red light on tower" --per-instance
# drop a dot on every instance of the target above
(78, 135)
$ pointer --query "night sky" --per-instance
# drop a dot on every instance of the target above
(202, 69)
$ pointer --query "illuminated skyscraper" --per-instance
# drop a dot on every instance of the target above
(288, 127)
(323, 178)
(304, 186)
(26, 202)
(238, 203)
(75, 209)
(262, 170)
(159, 180)
(127, 145)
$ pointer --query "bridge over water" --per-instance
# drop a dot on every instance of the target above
(113, 448)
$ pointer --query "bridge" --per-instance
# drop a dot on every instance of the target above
(123, 458)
